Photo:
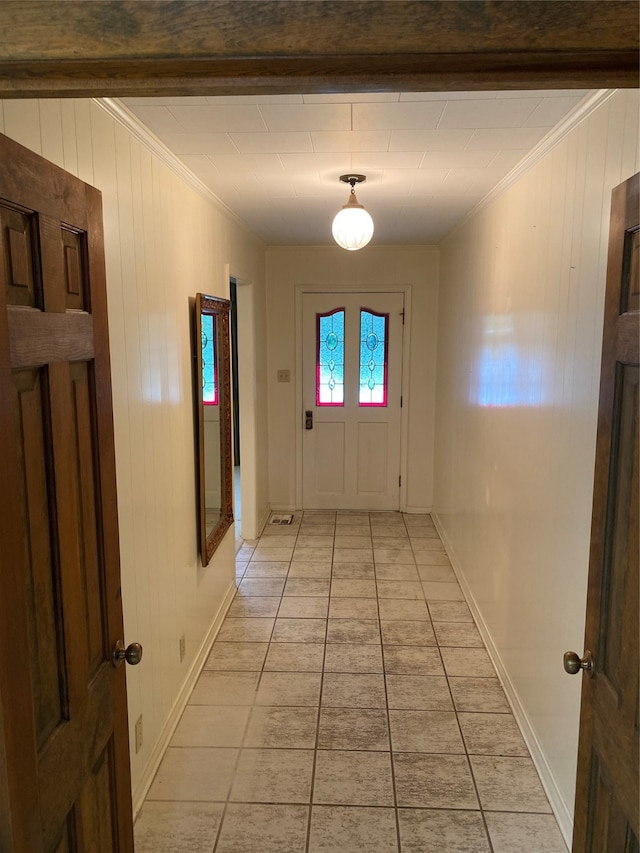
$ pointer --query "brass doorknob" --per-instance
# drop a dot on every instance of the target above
(573, 664)
(132, 654)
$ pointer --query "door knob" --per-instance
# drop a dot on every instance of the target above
(132, 654)
(573, 664)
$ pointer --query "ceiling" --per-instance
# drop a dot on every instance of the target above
(429, 158)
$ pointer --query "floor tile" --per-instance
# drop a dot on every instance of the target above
(254, 606)
(348, 588)
(194, 774)
(508, 784)
(264, 553)
(289, 688)
(304, 607)
(437, 574)
(353, 690)
(299, 631)
(431, 831)
(313, 552)
(389, 572)
(419, 692)
(353, 608)
(173, 826)
(353, 555)
(308, 569)
(492, 734)
(412, 660)
(431, 558)
(394, 556)
(282, 727)
(400, 589)
(450, 611)
(313, 540)
(207, 725)
(245, 630)
(442, 591)
(350, 728)
(524, 833)
(434, 781)
(296, 657)
(353, 631)
(267, 570)
(261, 586)
(425, 731)
(273, 776)
(478, 694)
(225, 688)
(352, 541)
(264, 828)
(353, 571)
(307, 587)
(277, 540)
(471, 662)
(344, 829)
(427, 545)
(356, 528)
(353, 658)
(407, 633)
(458, 634)
(236, 656)
(353, 778)
(399, 609)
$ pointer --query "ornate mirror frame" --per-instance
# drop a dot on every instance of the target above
(219, 309)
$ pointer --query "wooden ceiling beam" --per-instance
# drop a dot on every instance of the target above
(208, 47)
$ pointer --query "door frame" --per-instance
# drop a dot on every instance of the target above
(299, 292)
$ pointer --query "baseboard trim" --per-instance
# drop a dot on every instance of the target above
(556, 800)
(418, 510)
(263, 522)
(141, 790)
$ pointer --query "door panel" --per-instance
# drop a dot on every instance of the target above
(351, 456)
(607, 791)
(63, 704)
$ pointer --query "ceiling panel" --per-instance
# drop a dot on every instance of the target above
(429, 157)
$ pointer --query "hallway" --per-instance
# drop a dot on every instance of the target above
(348, 705)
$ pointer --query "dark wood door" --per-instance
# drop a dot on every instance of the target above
(606, 816)
(66, 782)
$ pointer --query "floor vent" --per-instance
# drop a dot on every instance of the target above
(281, 519)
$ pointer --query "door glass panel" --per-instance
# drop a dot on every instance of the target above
(209, 365)
(330, 358)
(373, 358)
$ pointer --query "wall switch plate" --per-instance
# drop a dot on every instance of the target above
(139, 733)
(183, 647)
(284, 376)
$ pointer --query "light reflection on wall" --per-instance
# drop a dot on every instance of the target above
(510, 367)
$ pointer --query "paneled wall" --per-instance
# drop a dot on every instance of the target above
(377, 268)
(520, 333)
(164, 242)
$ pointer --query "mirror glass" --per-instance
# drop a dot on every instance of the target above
(213, 418)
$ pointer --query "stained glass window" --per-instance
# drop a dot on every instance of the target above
(330, 358)
(209, 365)
(373, 358)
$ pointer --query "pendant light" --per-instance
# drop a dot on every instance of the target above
(352, 226)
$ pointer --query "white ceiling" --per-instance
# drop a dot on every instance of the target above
(429, 158)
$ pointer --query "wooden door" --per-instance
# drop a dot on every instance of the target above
(606, 816)
(66, 781)
(351, 456)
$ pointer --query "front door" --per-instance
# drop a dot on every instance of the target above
(352, 381)
(606, 816)
(65, 781)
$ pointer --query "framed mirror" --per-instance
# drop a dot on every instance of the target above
(213, 419)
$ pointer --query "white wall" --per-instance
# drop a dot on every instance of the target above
(163, 243)
(520, 333)
(375, 268)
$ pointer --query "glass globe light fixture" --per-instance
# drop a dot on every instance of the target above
(352, 226)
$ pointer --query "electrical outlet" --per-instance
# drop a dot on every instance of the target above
(139, 733)
(183, 647)
(284, 376)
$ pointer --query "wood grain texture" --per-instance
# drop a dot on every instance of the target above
(37, 338)
(193, 47)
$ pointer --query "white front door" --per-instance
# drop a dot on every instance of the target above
(352, 380)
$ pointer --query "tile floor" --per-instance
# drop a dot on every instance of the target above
(348, 705)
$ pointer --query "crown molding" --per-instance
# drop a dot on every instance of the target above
(580, 113)
(117, 110)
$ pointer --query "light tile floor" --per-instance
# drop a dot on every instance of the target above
(348, 705)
